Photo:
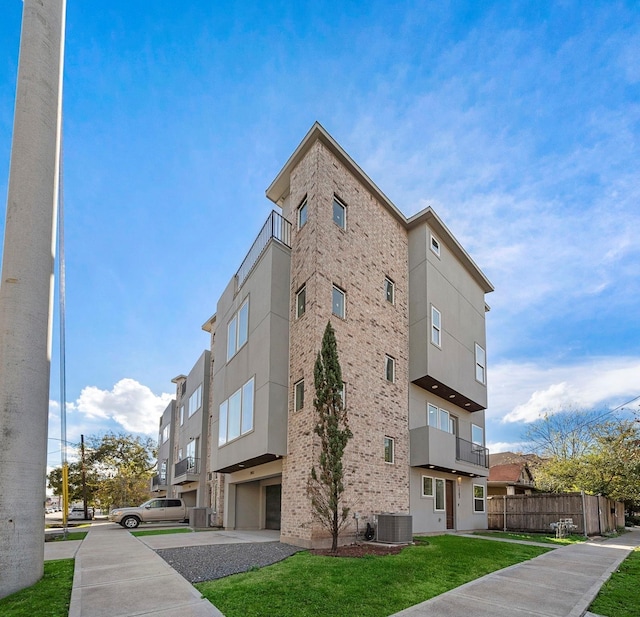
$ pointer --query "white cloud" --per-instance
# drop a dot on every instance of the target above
(525, 392)
(507, 446)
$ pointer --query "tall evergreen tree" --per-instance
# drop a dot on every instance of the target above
(325, 486)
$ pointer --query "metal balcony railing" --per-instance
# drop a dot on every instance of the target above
(187, 465)
(472, 453)
(276, 227)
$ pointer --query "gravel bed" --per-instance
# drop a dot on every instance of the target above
(207, 563)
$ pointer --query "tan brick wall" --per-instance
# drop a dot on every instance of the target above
(374, 245)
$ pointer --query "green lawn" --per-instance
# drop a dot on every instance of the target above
(546, 538)
(311, 585)
(620, 595)
(50, 596)
(160, 532)
(72, 535)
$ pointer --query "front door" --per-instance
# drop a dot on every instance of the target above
(449, 501)
(273, 503)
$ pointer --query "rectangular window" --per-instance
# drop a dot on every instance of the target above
(181, 415)
(388, 450)
(444, 420)
(477, 435)
(179, 455)
(439, 503)
(390, 368)
(302, 214)
(432, 413)
(191, 449)
(435, 245)
(238, 330)
(195, 400)
(236, 414)
(338, 302)
(298, 395)
(441, 418)
(435, 326)
(427, 486)
(343, 395)
(478, 498)
(339, 213)
(301, 301)
(481, 363)
(165, 434)
(389, 290)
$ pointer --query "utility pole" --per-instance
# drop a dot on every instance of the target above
(84, 480)
(26, 293)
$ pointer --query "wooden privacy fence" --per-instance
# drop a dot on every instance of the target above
(591, 514)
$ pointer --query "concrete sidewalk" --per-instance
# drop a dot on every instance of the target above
(561, 583)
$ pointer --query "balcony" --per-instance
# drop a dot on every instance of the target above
(276, 227)
(158, 483)
(432, 448)
(187, 470)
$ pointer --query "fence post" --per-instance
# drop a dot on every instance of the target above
(504, 514)
(584, 516)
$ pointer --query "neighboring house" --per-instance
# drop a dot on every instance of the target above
(161, 482)
(509, 474)
(408, 307)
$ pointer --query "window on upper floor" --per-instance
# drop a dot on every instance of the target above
(441, 419)
(301, 301)
(163, 471)
(165, 434)
(238, 330)
(195, 400)
(390, 368)
(436, 326)
(236, 414)
(478, 498)
(339, 213)
(192, 449)
(298, 395)
(338, 302)
(181, 415)
(389, 450)
(440, 495)
(434, 243)
(477, 435)
(481, 364)
(389, 290)
(302, 213)
(427, 486)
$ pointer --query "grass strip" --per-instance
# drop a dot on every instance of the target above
(160, 532)
(620, 595)
(545, 538)
(50, 596)
(316, 586)
(72, 535)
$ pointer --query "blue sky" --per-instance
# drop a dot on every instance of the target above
(518, 122)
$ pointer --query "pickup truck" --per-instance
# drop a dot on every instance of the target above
(159, 509)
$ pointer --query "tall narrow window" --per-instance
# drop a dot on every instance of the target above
(181, 415)
(388, 450)
(338, 302)
(339, 213)
(236, 414)
(390, 368)
(195, 400)
(444, 420)
(481, 364)
(389, 290)
(301, 301)
(238, 330)
(427, 486)
(440, 488)
(223, 421)
(247, 407)
(298, 395)
(435, 245)
(435, 326)
(432, 413)
(478, 498)
(302, 214)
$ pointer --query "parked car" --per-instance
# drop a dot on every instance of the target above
(77, 514)
(160, 509)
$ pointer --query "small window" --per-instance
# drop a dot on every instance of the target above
(339, 213)
(238, 330)
(181, 415)
(432, 413)
(302, 214)
(165, 434)
(390, 368)
(301, 302)
(477, 435)
(481, 363)
(338, 302)
(388, 450)
(343, 395)
(435, 245)
(298, 395)
(440, 488)
(427, 486)
(444, 420)
(389, 290)
(436, 327)
(478, 498)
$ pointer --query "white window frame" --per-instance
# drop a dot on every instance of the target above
(481, 364)
(343, 208)
(302, 213)
(390, 367)
(166, 433)
(479, 500)
(298, 395)
(389, 290)
(433, 411)
(335, 289)
(195, 400)
(436, 328)
(181, 415)
(439, 482)
(238, 330)
(389, 446)
(301, 294)
(425, 494)
(247, 413)
(434, 244)
(474, 439)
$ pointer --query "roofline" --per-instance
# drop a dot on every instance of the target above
(207, 326)
(279, 189)
(178, 378)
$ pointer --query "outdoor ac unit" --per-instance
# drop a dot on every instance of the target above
(395, 528)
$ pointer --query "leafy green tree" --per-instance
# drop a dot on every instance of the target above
(325, 486)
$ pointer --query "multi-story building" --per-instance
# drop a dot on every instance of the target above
(408, 307)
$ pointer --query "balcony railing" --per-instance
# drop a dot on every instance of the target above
(472, 453)
(276, 227)
(187, 465)
(158, 480)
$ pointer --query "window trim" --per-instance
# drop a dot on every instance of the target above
(389, 285)
(298, 398)
(341, 204)
(482, 499)
(434, 241)
(442, 483)
(241, 392)
(390, 362)
(480, 428)
(235, 320)
(335, 288)
(302, 208)
(436, 328)
(198, 394)
(422, 493)
(482, 365)
(392, 448)
(301, 292)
